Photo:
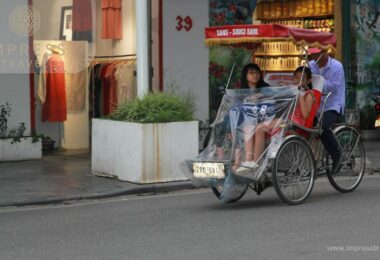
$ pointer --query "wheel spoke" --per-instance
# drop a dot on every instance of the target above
(293, 174)
(353, 165)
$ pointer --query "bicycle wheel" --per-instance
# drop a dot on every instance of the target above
(241, 189)
(353, 166)
(293, 171)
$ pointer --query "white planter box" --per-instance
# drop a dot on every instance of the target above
(24, 150)
(142, 153)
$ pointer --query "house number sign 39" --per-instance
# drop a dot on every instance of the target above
(184, 23)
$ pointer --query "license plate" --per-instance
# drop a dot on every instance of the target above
(377, 122)
(209, 170)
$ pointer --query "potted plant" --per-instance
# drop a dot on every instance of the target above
(14, 145)
(144, 140)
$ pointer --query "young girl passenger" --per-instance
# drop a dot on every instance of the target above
(251, 78)
(255, 146)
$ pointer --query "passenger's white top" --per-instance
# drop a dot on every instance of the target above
(317, 81)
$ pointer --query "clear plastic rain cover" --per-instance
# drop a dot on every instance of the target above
(246, 133)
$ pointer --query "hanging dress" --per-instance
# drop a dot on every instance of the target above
(126, 82)
(52, 90)
(112, 19)
(82, 20)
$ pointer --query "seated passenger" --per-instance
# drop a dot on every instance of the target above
(255, 145)
(251, 78)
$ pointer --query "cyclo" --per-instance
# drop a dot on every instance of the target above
(294, 156)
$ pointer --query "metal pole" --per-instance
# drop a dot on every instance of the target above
(142, 47)
(233, 67)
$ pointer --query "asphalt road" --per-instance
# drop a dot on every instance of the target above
(194, 225)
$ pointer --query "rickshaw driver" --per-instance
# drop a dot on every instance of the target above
(332, 70)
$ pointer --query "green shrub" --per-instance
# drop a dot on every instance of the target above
(155, 108)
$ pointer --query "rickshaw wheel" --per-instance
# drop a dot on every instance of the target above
(219, 189)
(352, 171)
(293, 171)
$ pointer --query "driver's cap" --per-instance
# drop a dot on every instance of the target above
(314, 50)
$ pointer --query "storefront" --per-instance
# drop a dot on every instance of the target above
(320, 15)
(85, 53)
(83, 60)
(66, 62)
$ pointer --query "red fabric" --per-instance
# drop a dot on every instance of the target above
(297, 118)
(253, 33)
(109, 86)
(105, 90)
(307, 122)
(110, 76)
(310, 120)
(54, 109)
(112, 19)
(82, 15)
(111, 3)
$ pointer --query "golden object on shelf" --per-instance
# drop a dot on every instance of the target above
(272, 7)
(304, 7)
(278, 9)
(324, 7)
(310, 7)
(292, 8)
(259, 10)
(266, 10)
(298, 8)
(331, 7)
(285, 9)
(317, 7)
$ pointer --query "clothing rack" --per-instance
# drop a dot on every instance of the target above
(105, 85)
(114, 56)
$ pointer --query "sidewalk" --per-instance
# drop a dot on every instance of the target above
(66, 176)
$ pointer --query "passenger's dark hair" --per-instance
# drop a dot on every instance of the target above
(251, 66)
(307, 72)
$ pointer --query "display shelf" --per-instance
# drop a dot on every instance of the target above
(260, 54)
(278, 48)
(329, 16)
(277, 71)
(279, 63)
(315, 15)
(279, 9)
(322, 25)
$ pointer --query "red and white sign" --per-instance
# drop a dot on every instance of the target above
(260, 32)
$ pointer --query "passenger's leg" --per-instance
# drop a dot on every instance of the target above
(219, 153)
(259, 142)
(237, 161)
(260, 137)
(327, 137)
(249, 145)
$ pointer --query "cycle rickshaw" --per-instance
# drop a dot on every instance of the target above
(294, 156)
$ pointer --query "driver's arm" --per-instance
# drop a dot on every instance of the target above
(332, 84)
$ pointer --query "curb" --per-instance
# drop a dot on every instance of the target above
(144, 189)
(137, 190)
